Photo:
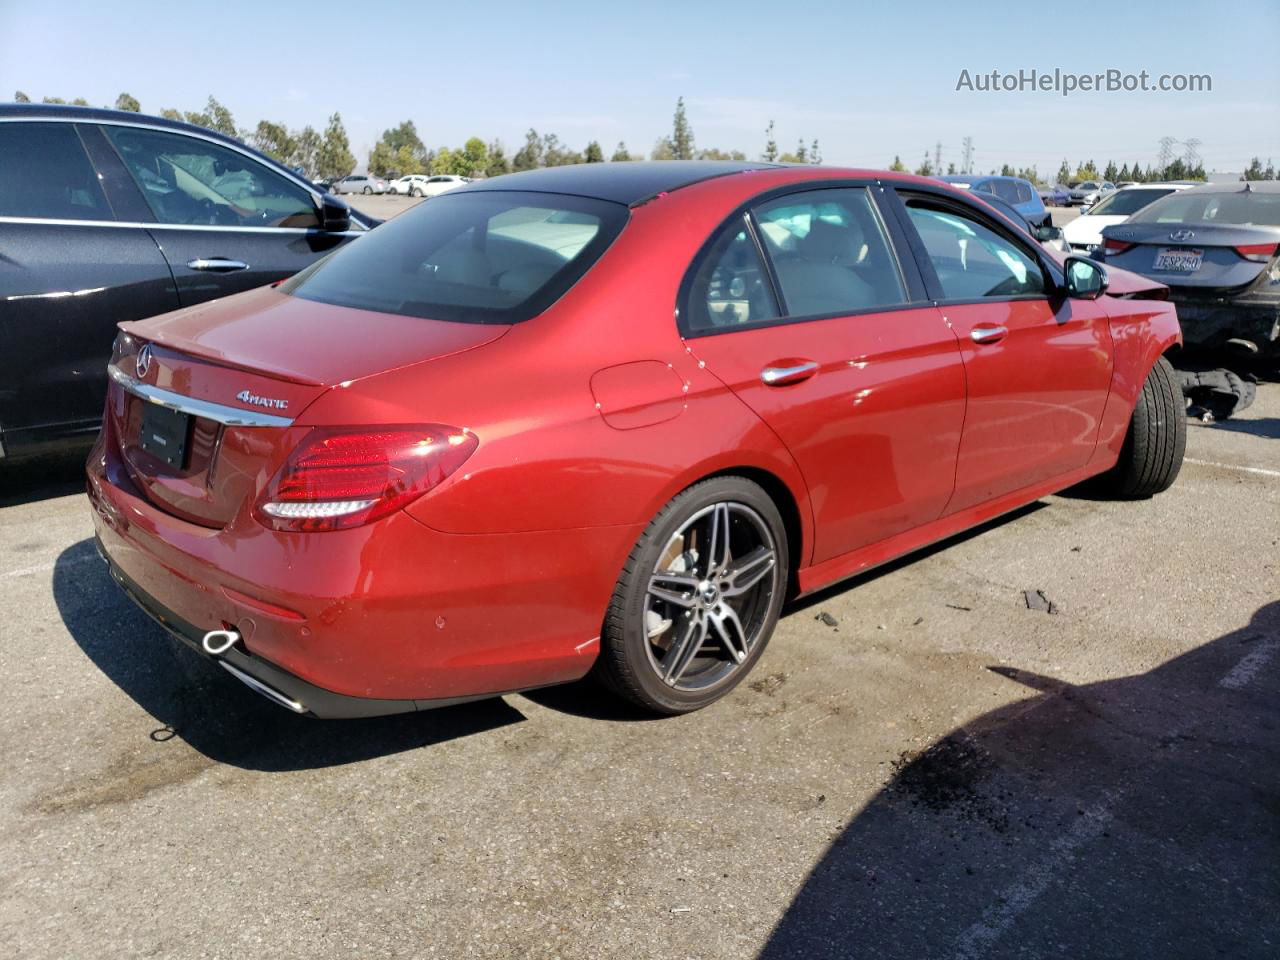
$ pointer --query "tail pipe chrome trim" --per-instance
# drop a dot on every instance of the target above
(256, 685)
(217, 642)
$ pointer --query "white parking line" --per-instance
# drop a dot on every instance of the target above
(1014, 901)
(1249, 665)
(1261, 471)
(44, 567)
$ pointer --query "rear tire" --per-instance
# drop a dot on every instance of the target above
(368, 190)
(677, 655)
(1156, 442)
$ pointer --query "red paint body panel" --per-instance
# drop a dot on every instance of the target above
(1035, 397)
(589, 418)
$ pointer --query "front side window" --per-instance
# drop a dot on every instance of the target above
(829, 252)
(44, 173)
(478, 257)
(971, 260)
(190, 181)
(731, 287)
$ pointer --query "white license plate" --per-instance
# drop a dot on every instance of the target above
(1178, 259)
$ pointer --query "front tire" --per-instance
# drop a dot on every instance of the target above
(1156, 442)
(367, 190)
(698, 598)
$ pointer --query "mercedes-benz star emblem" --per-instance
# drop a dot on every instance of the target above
(1179, 235)
(143, 362)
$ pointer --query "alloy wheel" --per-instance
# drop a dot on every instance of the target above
(708, 596)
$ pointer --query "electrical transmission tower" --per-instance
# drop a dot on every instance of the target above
(1165, 157)
(968, 155)
(937, 157)
(1191, 155)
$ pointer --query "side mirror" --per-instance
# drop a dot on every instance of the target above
(1086, 280)
(335, 215)
(1047, 232)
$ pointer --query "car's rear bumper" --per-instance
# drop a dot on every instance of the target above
(1211, 323)
(385, 618)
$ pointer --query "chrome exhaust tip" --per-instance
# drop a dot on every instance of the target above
(256, 685)
(218, 642)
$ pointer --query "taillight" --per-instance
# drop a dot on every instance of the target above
(1257, 252)
(345, 477)
(1115, 246)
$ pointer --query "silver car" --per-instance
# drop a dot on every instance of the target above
(358, 183)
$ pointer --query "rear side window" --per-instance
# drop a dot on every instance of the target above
(731, 287)
(473, 257)
(44, 173)
(971, 260)
(829, 252)
(190, 181)
(1022, 193)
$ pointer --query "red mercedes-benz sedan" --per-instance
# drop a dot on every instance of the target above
(608, 418)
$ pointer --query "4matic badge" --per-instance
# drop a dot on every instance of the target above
(245, 396)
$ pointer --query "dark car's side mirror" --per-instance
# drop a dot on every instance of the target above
(335, 215)
(1047, 232)
(1086, 280)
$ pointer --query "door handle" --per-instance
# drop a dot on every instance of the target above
(988, 334)
(782, 372)
(217, 264)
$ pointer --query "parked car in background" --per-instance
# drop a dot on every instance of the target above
(108, 216)
(1019, 193)
(1044, 233)
(412, 185)
(1084, 233)
(359, 183)
(323, 184)
(1089, 192)
(1215, 246)
(360, 491)
(1055, 196)
(439, 183)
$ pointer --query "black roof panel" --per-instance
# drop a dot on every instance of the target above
(629, 182)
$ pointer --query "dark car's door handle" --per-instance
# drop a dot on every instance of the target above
(988, 334)
(217, 264)
(782, 372)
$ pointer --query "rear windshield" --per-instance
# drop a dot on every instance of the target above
(1261, 209)
(1122, 203)
(484, 257)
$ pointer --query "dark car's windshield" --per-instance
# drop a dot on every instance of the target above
(1122, 203)
(1262, 209)
(475, 257)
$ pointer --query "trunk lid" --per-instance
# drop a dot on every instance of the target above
(1219, 266)
(259, 355)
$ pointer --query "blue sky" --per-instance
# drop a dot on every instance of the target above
(867, 84)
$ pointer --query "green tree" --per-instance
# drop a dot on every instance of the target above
(1254, 171)
(171, 114)
(475, 156)
(681, 133)
(334, 158)
(407, 161)
(815, 155)
(20, 97)
(1064, 172)
(498, 161)
(52, 100)
(79, 102)
(770, 145)
(951, 169)
(663, 149)
(382, 159)
(926, 168)
(620, 153)
(128, 103)
(898, 166)
(1124, 175)
(593, 153)
(307, 147)
(275, 141)
(214, 117)
(556, 154)
(528, 157)
(1111, 172)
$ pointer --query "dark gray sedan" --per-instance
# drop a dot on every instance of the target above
(1216, 247)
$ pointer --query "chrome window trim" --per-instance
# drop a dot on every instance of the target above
(139, 225)
(217, 412)
(227, 144)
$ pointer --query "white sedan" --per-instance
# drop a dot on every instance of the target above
(1084, 233)
(423, 185)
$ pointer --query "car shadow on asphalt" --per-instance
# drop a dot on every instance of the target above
(28, 479)
(1135, 817)
(1268, 428)
(194, 700)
